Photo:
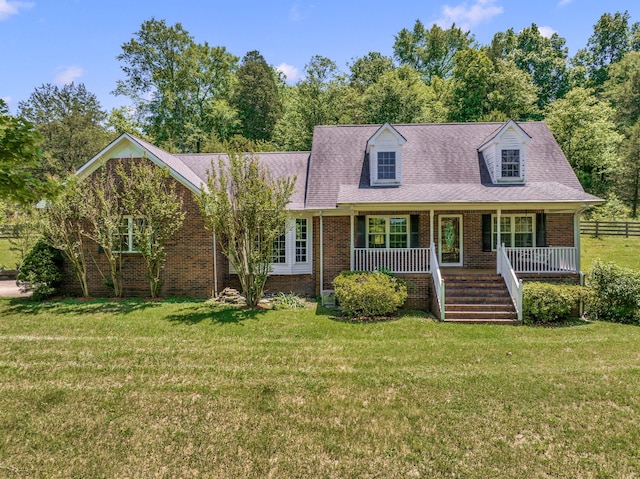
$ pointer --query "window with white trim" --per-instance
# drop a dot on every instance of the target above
(515, 231)
(279, 253)
(126, 235)
(510, 164)
(302, 238)
(387, 165)
(387, 232)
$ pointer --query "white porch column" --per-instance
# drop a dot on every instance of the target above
(351, 250)
(215, 265)
(431, 240)
(499, 238)
(321, 256)
(576, 238)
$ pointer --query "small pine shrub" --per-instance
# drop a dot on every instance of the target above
(41, 270)
(616, 293)
(287, 301)
(549, 302)
(369, 294)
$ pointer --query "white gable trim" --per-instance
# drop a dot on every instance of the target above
(385, 140)
(126, 147)
(496, 137)
(386, 127)
(509, 137)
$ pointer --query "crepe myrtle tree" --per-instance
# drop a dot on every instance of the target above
(157, 208)
(246, 208)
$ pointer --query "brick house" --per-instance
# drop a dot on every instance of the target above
(465, 211)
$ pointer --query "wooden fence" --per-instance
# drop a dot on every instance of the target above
(610, 228)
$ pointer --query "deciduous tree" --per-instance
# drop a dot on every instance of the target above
(246, 207)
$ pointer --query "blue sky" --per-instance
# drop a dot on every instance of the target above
(59, 41)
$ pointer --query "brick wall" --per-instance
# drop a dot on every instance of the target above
(560, 229)
(188, 269)
(336, 247)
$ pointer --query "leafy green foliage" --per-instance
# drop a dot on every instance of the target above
(149, 193)
(616, 293)
(287, 301)
(431, 52)
(189, 85)
(41, 270)
(21, 175)
(256, 98)
(247, 209)
(551, 302)
(70, 120)
(369, 294)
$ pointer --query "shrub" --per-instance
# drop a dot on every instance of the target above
(549, 302)
(369, 294)
(616, 293)
(41, 270)
(287, 301)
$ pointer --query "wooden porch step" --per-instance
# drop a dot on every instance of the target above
(482, 315)
(495, 307)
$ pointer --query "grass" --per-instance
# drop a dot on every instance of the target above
(622, 251)
(8, 258)
(182, 389)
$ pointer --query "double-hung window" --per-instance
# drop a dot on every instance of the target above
(515, 231)
(125, 242)
(510, 163)
(291, 253)
(387, 165)
(302, 240)
(387, 232)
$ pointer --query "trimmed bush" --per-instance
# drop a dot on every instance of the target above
(369, 294)
(550, 302)
(41, 270)
(616, 295)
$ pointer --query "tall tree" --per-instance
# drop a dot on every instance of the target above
(256, 97)
(70, 120)
(471, 85)
(180, 87)
(628, 177)
(21, 173)
(513, 94)
(545, 59)
(367, 70)
(400, 96)
(612, 38)
(247, 209)
(431, 52)
(584, 129)
(315, 100)
(622, 89)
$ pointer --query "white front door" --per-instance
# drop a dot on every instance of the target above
(450, 234)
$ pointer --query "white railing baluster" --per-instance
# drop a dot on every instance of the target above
(397, 260)
(505, 269)
(556, 259)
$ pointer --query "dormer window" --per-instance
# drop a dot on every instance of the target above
(505, 154)
(386, 165)
(511, 163)
(385, 156)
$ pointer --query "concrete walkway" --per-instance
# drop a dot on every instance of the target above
(8, 289)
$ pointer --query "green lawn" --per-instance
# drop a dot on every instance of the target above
(623, 251)
(7, 258)
(179, 389)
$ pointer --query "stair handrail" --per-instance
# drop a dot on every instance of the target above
(505, 269)
(438, 280)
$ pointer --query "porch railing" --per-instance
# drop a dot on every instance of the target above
(438, 281)
(543, 260)
(396, 260)
(514, 285)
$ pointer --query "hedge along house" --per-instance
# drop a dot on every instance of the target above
(465, 211)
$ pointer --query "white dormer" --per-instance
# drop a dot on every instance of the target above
(385, 156)
(505, 154)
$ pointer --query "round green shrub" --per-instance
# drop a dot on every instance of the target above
(369, 294)
(41, 270)
(551, 302)
(616, 293)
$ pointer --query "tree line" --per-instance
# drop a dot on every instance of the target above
(187, 96)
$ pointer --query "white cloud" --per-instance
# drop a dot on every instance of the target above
(562, 3)
(546, 32)
(298, 13)
(289, 71)
(67, 75)
(466, 15)
(8, 8)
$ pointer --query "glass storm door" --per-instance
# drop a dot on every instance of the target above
(450, 234)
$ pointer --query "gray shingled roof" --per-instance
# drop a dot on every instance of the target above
(281, 165)
(440, 164)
